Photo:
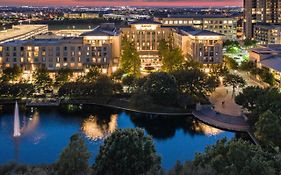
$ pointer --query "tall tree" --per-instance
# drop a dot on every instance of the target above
(92, 75)
(127, 152)
(172, 57)
(74, 158)
(42, 79)
(63, 76)
(11, 73)
(234, 80)
(130, 60)
(268, 129)
(162, 87)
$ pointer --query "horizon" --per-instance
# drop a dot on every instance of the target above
(136, 3)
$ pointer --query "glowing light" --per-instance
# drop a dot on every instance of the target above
(95, 131)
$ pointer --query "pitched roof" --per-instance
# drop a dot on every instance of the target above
(273, 62)
(196, 32)
(99, 32)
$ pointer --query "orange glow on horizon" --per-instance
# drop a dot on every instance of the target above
(119, 3)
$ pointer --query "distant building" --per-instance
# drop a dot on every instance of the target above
(267, 33)
(260, 11)
(22, 32)
(268, 56)
(226, 25)
(81, 15)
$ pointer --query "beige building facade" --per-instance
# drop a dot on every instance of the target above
(226, 25)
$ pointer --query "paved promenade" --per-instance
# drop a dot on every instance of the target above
(225, 114)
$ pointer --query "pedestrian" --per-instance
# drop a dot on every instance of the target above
(222, 103)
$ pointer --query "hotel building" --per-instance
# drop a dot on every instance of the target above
(102, 47)
(22, 32)
(260, 11)
(226, 25)
(99, 47)
(267, 33)
(200, 45)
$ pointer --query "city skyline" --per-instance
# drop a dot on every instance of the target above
(201, 3)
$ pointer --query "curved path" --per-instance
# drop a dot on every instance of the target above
(222, 121)
(225, 114)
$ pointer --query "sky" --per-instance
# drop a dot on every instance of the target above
(206, 3)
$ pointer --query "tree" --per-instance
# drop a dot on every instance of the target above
(16, 90)
(42, 79)
(195, 82)
(130, 60)
(230, 63)
(162, 87)
(250, 43)
(247, 66)
(63, 76)
(171, 57)
(268, 129)
(249, 96)
(127, 152)
(103, 86)
(11, 73)
(74, 158)
(237, 157)
(130, 82)
(92, 75)
(234, 80)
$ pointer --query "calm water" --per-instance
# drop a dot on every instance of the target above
(46, 132)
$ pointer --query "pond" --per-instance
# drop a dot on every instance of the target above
(46, 131)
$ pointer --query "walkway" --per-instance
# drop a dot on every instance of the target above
(225, 114)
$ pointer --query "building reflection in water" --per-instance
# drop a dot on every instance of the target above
(30, 123)
(206, 129)
(94, 129)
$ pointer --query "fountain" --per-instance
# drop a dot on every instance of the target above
(16, 121)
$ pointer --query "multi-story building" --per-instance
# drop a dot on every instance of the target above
(201, 45)
(99, 47)
(226, 25)
(260, 11)
(102, 47)
(268, 33)
(146, 34)
(268, 56)
(82, 15)
(22, 32)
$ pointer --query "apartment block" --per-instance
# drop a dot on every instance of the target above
(226, 25)
(266, 33)
(260, 11)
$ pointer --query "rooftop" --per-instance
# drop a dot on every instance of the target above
(273, 62)
(146, 21)
(196, 32)
(199, 16)
(18, 30)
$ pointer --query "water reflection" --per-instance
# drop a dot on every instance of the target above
(165, 127)
(97, 128)
(30, 123)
